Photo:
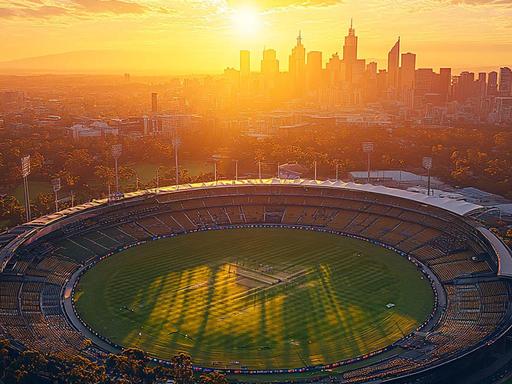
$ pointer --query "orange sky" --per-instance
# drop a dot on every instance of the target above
(190, 36)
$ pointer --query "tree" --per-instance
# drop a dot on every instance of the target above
(182, 369)
(213, 378)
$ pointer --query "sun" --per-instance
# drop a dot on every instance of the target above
(246, 21)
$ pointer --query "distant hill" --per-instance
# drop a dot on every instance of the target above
(95, 62)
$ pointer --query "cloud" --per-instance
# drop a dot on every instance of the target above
(269, 4)
(40, 12)
(110, 6)
(507, 3)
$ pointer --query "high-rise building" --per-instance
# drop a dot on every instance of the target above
(407, 78)
(154, 103)
(505, 84)
(482, 84)
(492, 84)
(371, 70)
(408, 71)
(394, 65)
(269, 68)
(269, 64)
(245, 64)
(297, 66)
(314, 70)
(350, 52)
(445, 82)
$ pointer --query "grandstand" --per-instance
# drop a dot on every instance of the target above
(42, 260)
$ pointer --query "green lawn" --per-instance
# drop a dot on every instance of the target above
(263, 297)
(35, 188)
(147, 171)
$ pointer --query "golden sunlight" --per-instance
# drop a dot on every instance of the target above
(246, 20)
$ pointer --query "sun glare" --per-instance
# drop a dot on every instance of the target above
(246, 21)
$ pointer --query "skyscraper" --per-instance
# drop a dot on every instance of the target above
(245, 64)
(445, 82)
(269, 68)
(407, 77)
(407, 71)
(394, 65)
(350, 53)
(154, 103)
(492, 84)
(505, 84)
(297, 66)
(314, 70)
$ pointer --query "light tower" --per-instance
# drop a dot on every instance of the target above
(176, 144)
(117, 149)
(56, 188)
(368, 149)
(25, 171)
(427, 164)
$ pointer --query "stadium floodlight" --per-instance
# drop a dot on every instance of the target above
(236, 169)
(427, 164)
(368, 149)
(117, 150)
(176, 144)
(25, 171)
(56, 185)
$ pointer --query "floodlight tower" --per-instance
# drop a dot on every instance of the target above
(176, 144)
(427, 164)
(25, 171)
(56, 188)
(117, 149)
(368, 149)
(236, 169)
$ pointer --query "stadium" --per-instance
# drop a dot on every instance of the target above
(263, 277)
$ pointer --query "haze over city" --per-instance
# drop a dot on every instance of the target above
(248, 192)
(182, 37)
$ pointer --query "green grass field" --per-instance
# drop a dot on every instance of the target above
(259, 298)
(35, 188)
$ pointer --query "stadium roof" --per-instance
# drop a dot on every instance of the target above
(501, 250)
(455, 206)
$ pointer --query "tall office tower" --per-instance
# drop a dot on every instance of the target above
(492, 84)
(269, 64)
(245, 64)
(408, 71)
(371, 70)
(394, 65)
(505, 84)
(445, 83)
(425, 81)
(154, 103)
(482, 84)
(333, 70)
(297, 66)
(407, 77)
(464, 87)
(350, 52)
(314, 70)
(269, 68)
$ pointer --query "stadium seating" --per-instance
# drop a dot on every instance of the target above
(477, 301)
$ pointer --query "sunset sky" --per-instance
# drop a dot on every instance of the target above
(185, 36)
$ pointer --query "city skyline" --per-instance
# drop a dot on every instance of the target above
(147, 36)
